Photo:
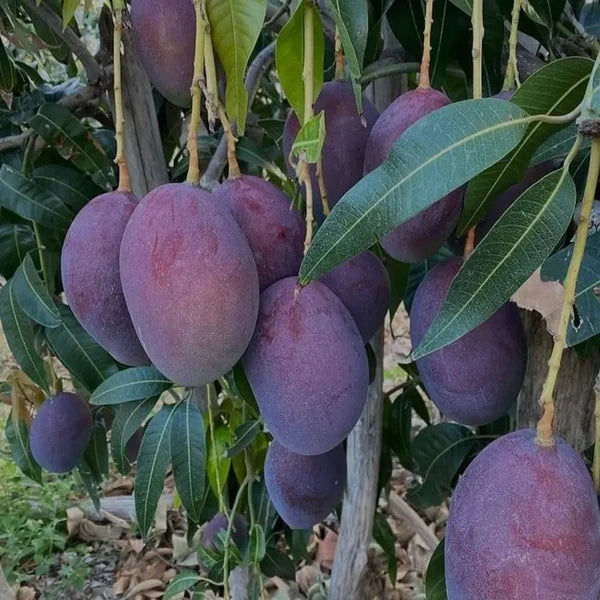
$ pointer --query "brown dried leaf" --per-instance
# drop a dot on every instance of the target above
(136, 544)
(145, 586)
(121, 585)
(91, 532)
(306, 577)
(74, 519)
(326, 550)
(545, 297)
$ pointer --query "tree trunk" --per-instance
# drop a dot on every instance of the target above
(360, 502)
(143, 146)
(575, 398)
(349, 577)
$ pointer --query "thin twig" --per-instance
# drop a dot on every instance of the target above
(256, 71)
(545, 436)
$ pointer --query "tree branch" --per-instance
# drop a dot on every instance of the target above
(92, 68)
(256, 71)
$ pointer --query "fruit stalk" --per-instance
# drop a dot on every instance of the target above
(193, 175)
(512, 67)
(215, 107)
(424, 79)
(309, 93)
(120, 159)
(478, 32)
(545, 435)
(323, 188)
(226, 554)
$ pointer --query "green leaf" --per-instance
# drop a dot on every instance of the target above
(96, 454)
(277, 564)
(439, 452)
(435, 576)
(309, 142)
(182, 582)
(188, 456)
(218, 462)
(59, 127)
(7, 70)
(20, 336)
(17, 436)
(433, 157)
(30, 201)
(400, 427)
(382, 534)
(257, 546)
(544, 12)
(33, 295)
(78, 351)
(407, 20)
(266, 514)
(398, 273)
(502, 262)
(245, 434)
(136, 383)
(73, 187)
(153, 462)
(68, 11)
(289, 58)
(352, 22)
(555, 89)
(465, 5)
(558, 145)
(586, 323)
(235, 27)
(128, 419)
(16, 241)
(242, 389)
(89, 480)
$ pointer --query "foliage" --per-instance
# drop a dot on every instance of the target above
(56, 154)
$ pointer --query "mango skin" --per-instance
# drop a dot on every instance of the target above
(190, 283)
(307, 366)
(274, 230)
(524, 523)
(476, 379)
(239, 531)
(91, 277)
(164, 36)
(304, 489)
(60, 432)
(363, 285)
(421, 236)
(345, 142)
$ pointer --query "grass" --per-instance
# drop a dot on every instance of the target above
(34, 544)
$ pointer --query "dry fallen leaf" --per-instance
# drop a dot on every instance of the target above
(145, 586)
(326, 550)
(121, 585)
(26, 593)
(91, 532)
(136, 544)
(74, 519)
(544, 297)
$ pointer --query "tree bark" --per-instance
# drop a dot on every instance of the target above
(575, 398)
(363, 452)
(143, 146)
(349, 577)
